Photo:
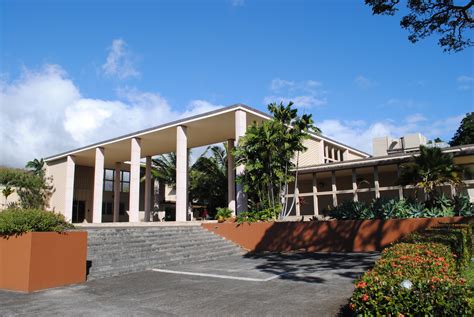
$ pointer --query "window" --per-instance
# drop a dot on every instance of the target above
(124, 181)
(109, 177)
(107, 208)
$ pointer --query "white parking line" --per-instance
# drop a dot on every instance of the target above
(251, 279)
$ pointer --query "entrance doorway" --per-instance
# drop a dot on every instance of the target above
(78, 211)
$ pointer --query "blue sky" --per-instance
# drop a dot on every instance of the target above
(75, 72)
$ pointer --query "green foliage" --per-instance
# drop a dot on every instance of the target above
(413, 279)
(19, 221)
(429, 170)
(381, 208)
(267, 150)
(33, 188)
(223, 214)
(208, 179)
(465, 133)
(164, 169)
(458, 237)
(259, 215)
(425, 18)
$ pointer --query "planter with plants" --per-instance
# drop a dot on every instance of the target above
(38, 250)
(223, 214)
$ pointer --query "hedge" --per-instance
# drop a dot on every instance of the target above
(19, 221)
(419, 279)
(457, 236)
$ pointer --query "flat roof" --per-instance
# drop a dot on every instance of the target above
(256, 115)
(379, 160)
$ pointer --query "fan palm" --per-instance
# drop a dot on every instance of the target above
(429, 170)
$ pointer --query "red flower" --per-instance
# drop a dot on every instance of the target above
(352, 306)
(364, 297)
(361, 284)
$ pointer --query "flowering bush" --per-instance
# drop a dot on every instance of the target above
(413, 279)
(457, 236)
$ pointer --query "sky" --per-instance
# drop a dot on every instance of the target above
(77, 72)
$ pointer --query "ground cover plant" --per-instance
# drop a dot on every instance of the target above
(382, 208)
(17, 221)
(413, 279)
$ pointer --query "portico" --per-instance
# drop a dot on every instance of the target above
(106, 176)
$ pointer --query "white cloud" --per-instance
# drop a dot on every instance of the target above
(364, 82)
(304, 94)
(237, 3)
(119, 61)
(359, 134)
(44, 113)
(465, 82)
(414, 118)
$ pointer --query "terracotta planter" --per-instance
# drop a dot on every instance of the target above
(39, 260)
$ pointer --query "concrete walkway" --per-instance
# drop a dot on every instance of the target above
(270, 285)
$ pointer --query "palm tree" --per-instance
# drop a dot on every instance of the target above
(7, 191)
(36, 166)
(429, 170)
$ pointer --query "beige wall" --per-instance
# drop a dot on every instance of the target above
(57, 170)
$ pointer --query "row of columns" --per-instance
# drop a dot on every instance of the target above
(235, 202)
(334, 189)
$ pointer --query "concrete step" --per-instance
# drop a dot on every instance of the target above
(147, 249)
(116, 251)
(148, 265)
(157, 257)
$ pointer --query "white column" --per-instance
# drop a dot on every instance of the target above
(181, 173)
(354, 185)
(134, 198)
(230, 176)
(320, 157)
(297, 202)
(148, 189)
(116, 193)
(400, 187)
(334, 189)
(98, 185)
(376, 182)
(333, 155)
(240, 128)
(69, 193)
(315, 196)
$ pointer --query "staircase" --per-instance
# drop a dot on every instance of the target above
(115, 251)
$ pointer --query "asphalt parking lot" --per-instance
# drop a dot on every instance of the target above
(300, 284)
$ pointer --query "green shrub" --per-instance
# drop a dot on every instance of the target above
(223, 214)
(458, 237)
(19, 221)
(382, 208)
(261, 215)
(416, 279)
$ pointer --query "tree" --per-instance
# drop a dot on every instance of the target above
(164, 169)
(429, 170)
(427, 17)
(208, 179)
(465, 133)
(36, 166)
(267, 150)
(7, 191)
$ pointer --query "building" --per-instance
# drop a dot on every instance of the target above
(101, 182)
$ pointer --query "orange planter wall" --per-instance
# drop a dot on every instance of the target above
(39, 260)
(327, 236)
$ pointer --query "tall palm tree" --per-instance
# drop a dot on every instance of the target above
(429, 170)
(36, 166)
